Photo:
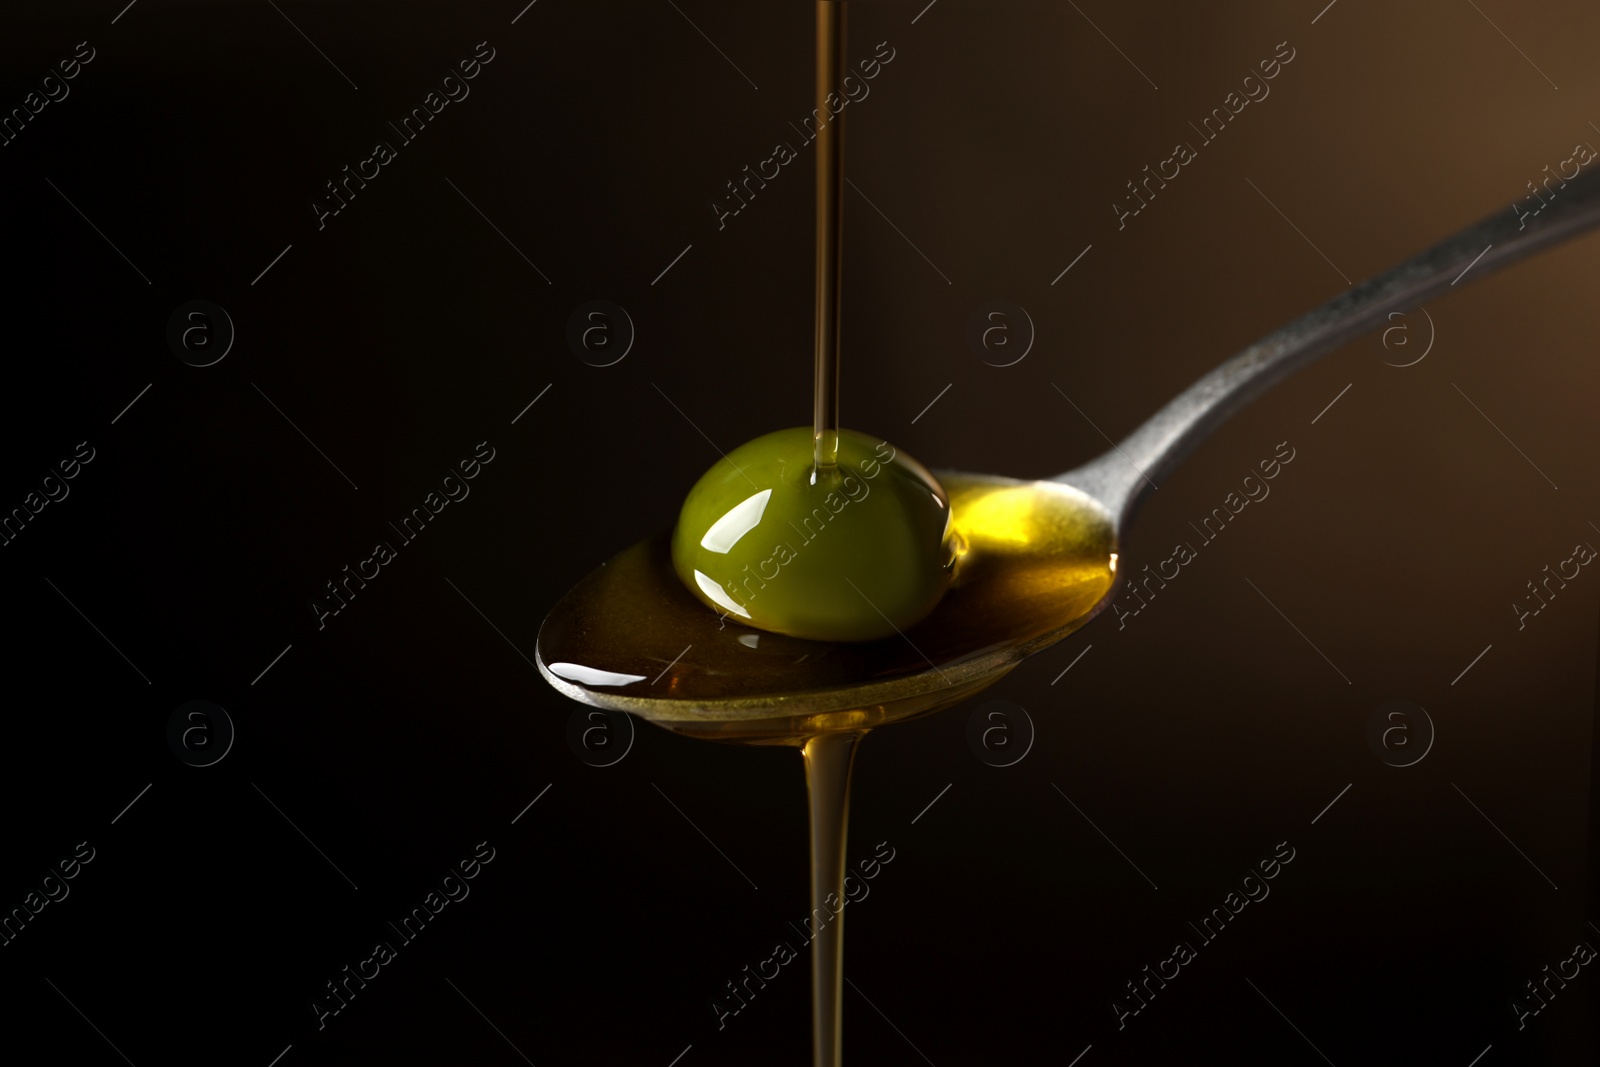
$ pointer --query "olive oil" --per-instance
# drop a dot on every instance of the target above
(829, 761)
(1019, 564)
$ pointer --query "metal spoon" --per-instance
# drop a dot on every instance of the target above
(1042, 557)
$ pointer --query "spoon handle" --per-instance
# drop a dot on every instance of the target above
(1121, 478)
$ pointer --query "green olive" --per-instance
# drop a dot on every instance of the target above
(852, 552)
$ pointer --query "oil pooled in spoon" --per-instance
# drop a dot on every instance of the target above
(1037, 558)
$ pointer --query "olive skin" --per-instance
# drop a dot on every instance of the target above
(855, 552)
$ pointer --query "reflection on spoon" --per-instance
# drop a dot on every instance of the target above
(590, 676)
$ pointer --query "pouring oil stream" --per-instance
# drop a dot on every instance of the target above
(829, 757)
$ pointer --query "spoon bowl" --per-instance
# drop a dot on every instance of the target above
(1038, 560)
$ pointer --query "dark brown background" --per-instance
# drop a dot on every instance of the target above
(406, 331)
